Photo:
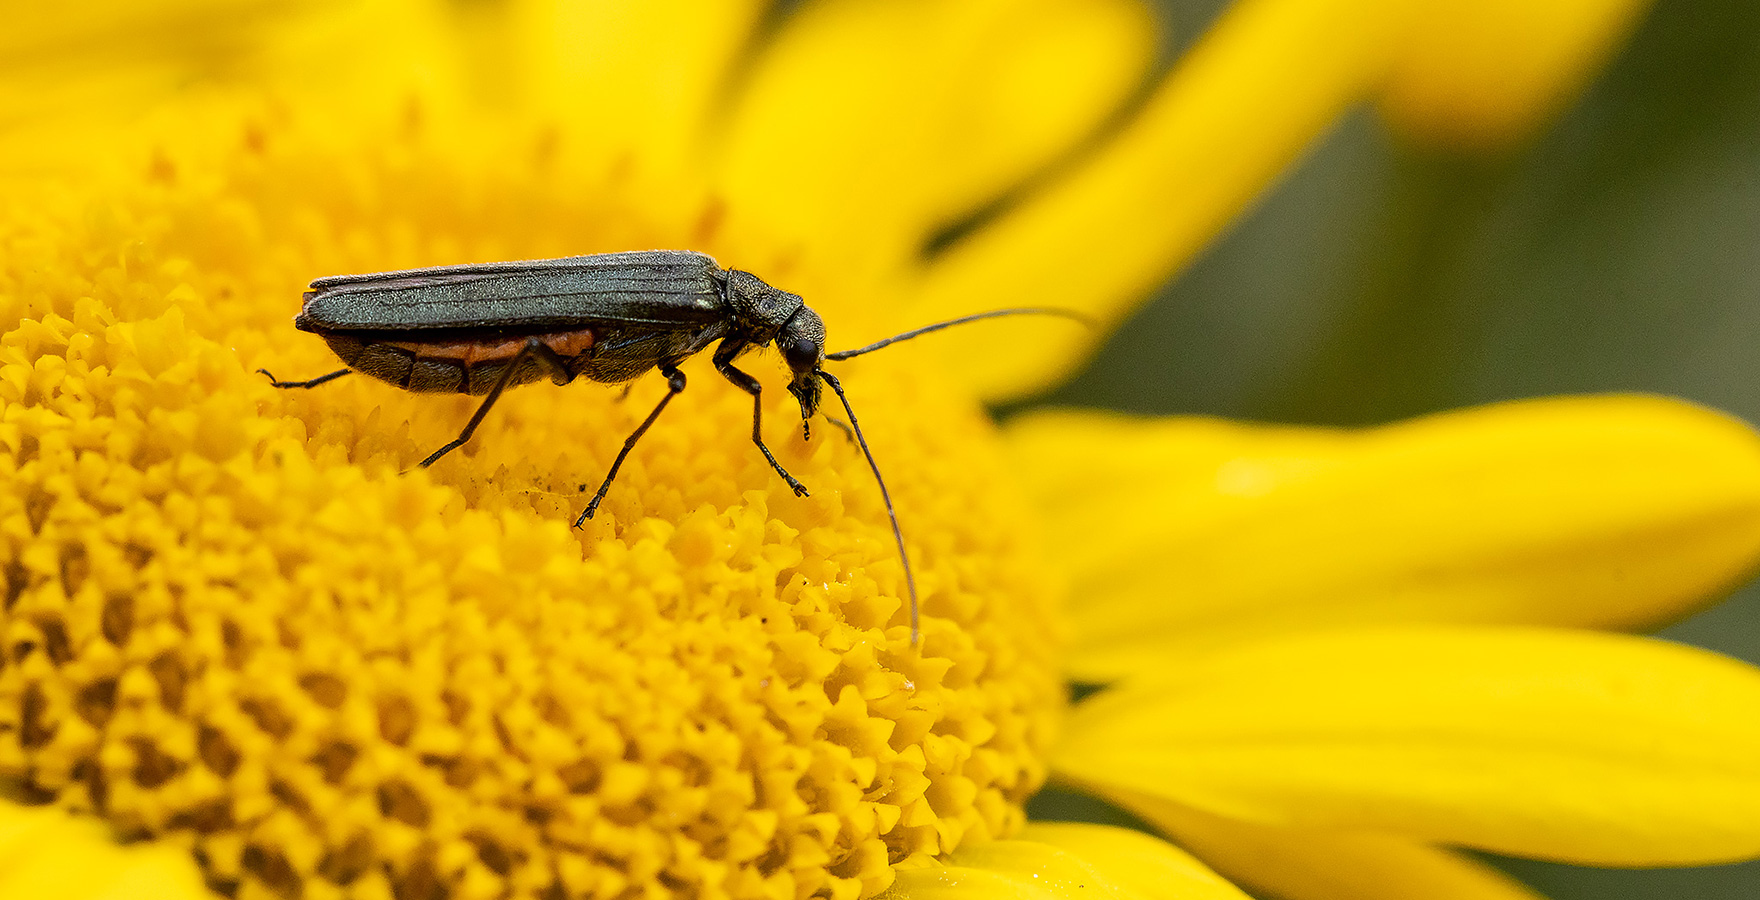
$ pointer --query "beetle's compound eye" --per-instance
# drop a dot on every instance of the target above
(801, 353)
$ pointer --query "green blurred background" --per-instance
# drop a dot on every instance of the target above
(1617, 252)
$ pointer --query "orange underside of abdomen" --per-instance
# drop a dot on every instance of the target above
(469, 353)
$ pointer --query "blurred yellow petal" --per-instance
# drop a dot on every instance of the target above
(640, 80)
(70, 72)
(51, 53)
(868, 125)
(1268, 77)
(86, 87)
(1316, 864)
(47, 854)
(1607, 512)
(1066, 860)
(1483, 75)
(1572, 746)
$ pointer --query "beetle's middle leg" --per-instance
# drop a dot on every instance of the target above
(751, 386)
(674, 387)
(533, 349)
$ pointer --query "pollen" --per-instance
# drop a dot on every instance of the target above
(241, 622)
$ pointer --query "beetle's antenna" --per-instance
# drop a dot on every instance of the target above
(992, 314)
(910, 580)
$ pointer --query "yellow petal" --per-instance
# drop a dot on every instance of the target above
(1268, 77)
(1608, 512)
(1485, 74)
(1316, 864)
(639, 81)
(47, 854)
(1066, 860)
(73, 71)
(120, 50)
(868, 125)
(1267, 80)
(1572, 746)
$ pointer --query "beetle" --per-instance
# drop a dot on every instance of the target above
(609, 317)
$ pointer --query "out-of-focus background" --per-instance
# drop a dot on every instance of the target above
(1620, 251)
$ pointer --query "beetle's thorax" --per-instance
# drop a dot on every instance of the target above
(758, 310)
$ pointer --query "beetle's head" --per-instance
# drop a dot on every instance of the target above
(802, 342)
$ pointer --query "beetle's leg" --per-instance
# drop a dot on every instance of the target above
(674, 385)
(305, 384)
(745, 382)
(533, 349)
(550, 360)
(842, 426)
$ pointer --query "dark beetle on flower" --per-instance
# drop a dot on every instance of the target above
(481, 328)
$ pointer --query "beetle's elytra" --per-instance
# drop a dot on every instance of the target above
(610, 317)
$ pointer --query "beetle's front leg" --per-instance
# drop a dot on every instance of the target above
(724, 355)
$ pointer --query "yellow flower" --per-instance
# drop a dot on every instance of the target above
(243, 638)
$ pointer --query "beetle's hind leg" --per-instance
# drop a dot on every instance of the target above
(533, 349)
(745, 382)
(674, 387)
(273, 382)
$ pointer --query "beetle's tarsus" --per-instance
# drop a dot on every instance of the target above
(311, 383)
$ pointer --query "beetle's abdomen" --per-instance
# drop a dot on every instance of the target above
(454, 366)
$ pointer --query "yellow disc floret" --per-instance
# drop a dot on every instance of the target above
(234, 622)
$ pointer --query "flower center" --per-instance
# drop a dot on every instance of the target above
(232, 620)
